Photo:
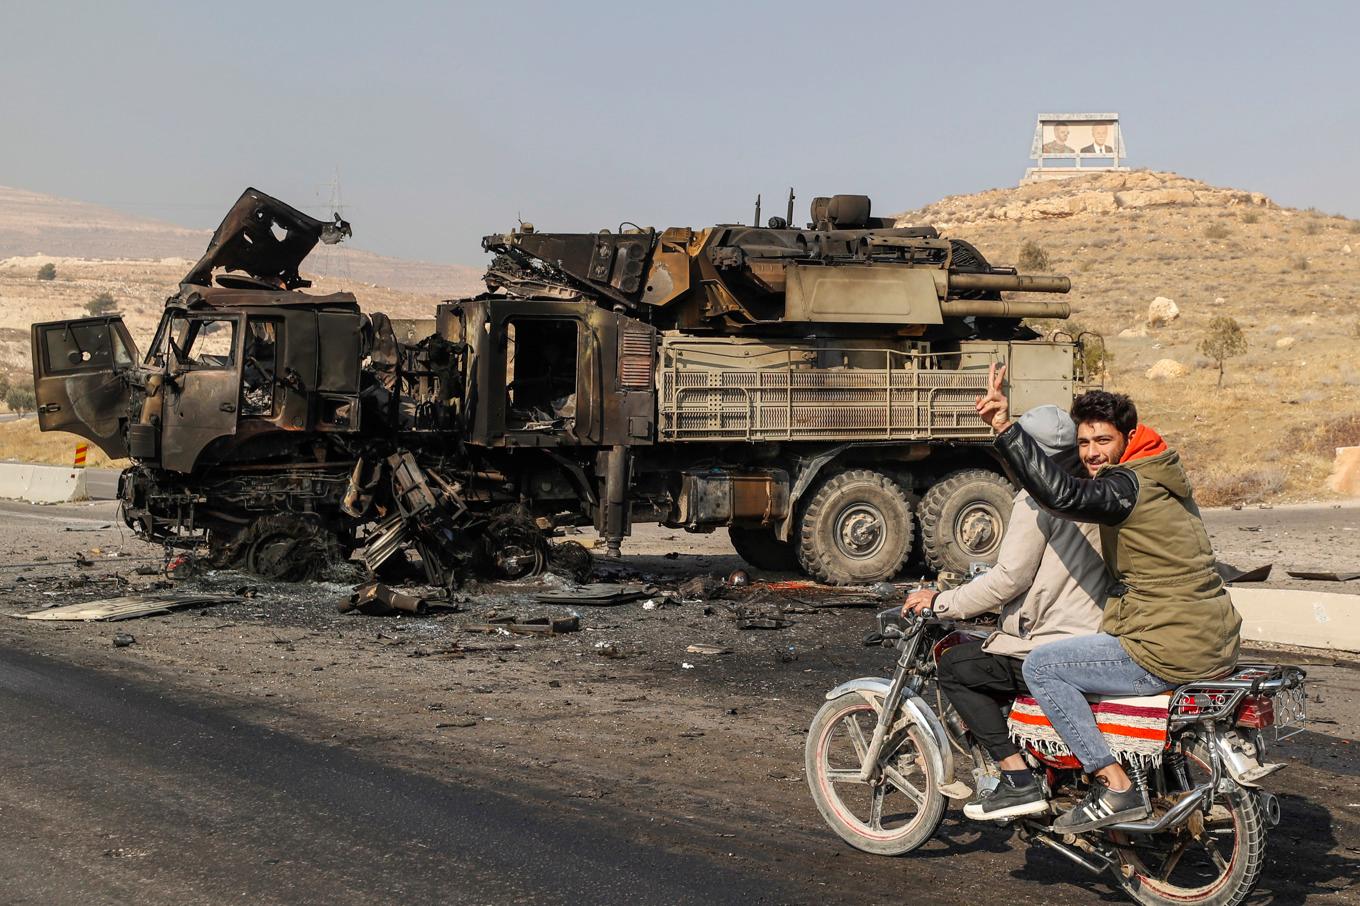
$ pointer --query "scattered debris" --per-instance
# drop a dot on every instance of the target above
(572, 560)
(531, 626)
(376, 600)
(124, 639)
(702, 588)
(608, 649)
(707, 649)
(111, 609)
(87, 528)
(1233, 575)
(1322, 575)
(738, 578)
(598, 594)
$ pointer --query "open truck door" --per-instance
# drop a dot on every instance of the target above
(203, 389)
(80, 379)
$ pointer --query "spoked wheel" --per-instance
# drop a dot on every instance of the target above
(1214, 859)
(894, 813)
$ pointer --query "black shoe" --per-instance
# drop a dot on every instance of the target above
(1007, 801)
(1103, 806)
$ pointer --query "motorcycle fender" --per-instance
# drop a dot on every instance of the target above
(874, 689)
(1243, 768)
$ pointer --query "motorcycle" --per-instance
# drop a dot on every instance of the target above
(880, 764)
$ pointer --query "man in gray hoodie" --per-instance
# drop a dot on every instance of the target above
(1049, 583)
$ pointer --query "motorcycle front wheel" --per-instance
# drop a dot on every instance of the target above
(1214, 859)
(897, 813)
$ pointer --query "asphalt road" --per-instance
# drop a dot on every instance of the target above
(115, 792)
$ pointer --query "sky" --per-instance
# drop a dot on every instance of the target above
(446, 122)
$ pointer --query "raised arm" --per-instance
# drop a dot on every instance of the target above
(1107, 499)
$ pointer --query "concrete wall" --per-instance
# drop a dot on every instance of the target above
(1293, 617)
(41, 484)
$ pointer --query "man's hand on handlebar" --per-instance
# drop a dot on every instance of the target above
(919, 601)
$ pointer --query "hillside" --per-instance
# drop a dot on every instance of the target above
(1289, 278)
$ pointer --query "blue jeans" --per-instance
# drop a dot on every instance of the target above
(1058, 674)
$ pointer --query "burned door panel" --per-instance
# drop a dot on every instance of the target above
(81, 383)
(204, 385)
(338, 365)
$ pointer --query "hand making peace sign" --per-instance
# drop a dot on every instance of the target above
(994, 408)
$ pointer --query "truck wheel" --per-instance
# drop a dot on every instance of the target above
(963, 518)
(760, 548)
(855, 530)
(286, 548)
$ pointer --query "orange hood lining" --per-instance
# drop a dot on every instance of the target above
(1143, 443)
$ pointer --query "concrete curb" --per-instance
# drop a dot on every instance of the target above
(1314, 619)
(42, 484)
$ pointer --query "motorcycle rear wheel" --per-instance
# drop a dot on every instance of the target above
(1222, 873)
(892, 817)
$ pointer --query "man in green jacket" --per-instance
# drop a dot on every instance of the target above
(1171, 621)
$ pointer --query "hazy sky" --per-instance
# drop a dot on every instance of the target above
(446, 121)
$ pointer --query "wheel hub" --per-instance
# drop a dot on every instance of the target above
(860, 531)
(978, 529)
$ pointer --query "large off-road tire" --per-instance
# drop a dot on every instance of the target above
(1237, 827)
(855, 529)
(285, 548)
(759, 547)
(889, 818)
(963, 518)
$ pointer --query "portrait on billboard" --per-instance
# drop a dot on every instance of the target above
(1077, 135)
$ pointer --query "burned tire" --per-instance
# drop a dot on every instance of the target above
(285, 548)
(963, 518)
(855, 529)
(760, 548)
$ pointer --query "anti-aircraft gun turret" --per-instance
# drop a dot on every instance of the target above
(845, 268)
(822, 379)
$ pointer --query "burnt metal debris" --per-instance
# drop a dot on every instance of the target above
(808, 389)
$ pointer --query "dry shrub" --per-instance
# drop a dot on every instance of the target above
(1216, 231)
(1324, 437)
(1033, 257)
(1251, 217)
(1312, 228)
(1246, 486)
(1299, 263)
(1354, 226)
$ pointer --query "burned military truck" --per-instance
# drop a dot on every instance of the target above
(809, 390)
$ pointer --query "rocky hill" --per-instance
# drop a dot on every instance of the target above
(1290, 278)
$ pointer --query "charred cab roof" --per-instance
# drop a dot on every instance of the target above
(261, 243)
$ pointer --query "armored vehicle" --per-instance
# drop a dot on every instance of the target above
(810, 390)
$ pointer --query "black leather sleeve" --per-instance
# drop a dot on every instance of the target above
(1107, 499)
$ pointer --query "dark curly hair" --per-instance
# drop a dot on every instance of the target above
(1103, 406)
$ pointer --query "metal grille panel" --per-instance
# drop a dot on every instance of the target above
(783, 398)
(635, 359)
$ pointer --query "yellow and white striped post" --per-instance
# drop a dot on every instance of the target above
(81, 451)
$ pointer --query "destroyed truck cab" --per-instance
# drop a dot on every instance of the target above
(248, 391)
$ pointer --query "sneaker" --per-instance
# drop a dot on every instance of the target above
(1007, 801)
(1103, 806)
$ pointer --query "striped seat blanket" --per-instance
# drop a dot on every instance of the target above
(1135, 728)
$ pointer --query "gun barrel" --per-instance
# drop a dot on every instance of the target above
(1014, 283)
(1011, 308)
